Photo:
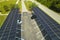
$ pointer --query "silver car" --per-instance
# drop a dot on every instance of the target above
(19, 22)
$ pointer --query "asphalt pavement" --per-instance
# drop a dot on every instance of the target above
(30, 30)
(47, 25)
(10, 29)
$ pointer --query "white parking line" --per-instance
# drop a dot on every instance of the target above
(44, 37)
(49, 26)
(42, 29)
(17, 32)
(10, 28)
(20, 29)
(54, 26)
(4, 30)
(50, 21)
(5, 27)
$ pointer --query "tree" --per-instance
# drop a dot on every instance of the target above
(6, 8)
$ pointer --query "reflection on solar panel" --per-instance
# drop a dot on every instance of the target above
(47, 25)
(10, 30)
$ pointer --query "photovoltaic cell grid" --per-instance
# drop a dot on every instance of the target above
(51, 26)
(10, 29)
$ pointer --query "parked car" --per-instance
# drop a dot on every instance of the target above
(33, 16)
(19, 22)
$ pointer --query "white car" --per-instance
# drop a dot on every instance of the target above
(19, 22)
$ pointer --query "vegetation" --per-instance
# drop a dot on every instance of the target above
(29, 5)
(2, 18)
(5, 7)
(20, 6)
(52, 4)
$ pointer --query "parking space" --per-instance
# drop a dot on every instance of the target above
(10, 29)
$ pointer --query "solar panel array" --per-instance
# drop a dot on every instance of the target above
(10, 29)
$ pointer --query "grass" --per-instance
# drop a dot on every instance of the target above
(5, 7)
(2, 18)
(10, 4)
(29, 5)
(20, 6)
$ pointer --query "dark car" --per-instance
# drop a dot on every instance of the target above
(33, 16)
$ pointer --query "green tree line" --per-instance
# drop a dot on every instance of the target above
(52, 4)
